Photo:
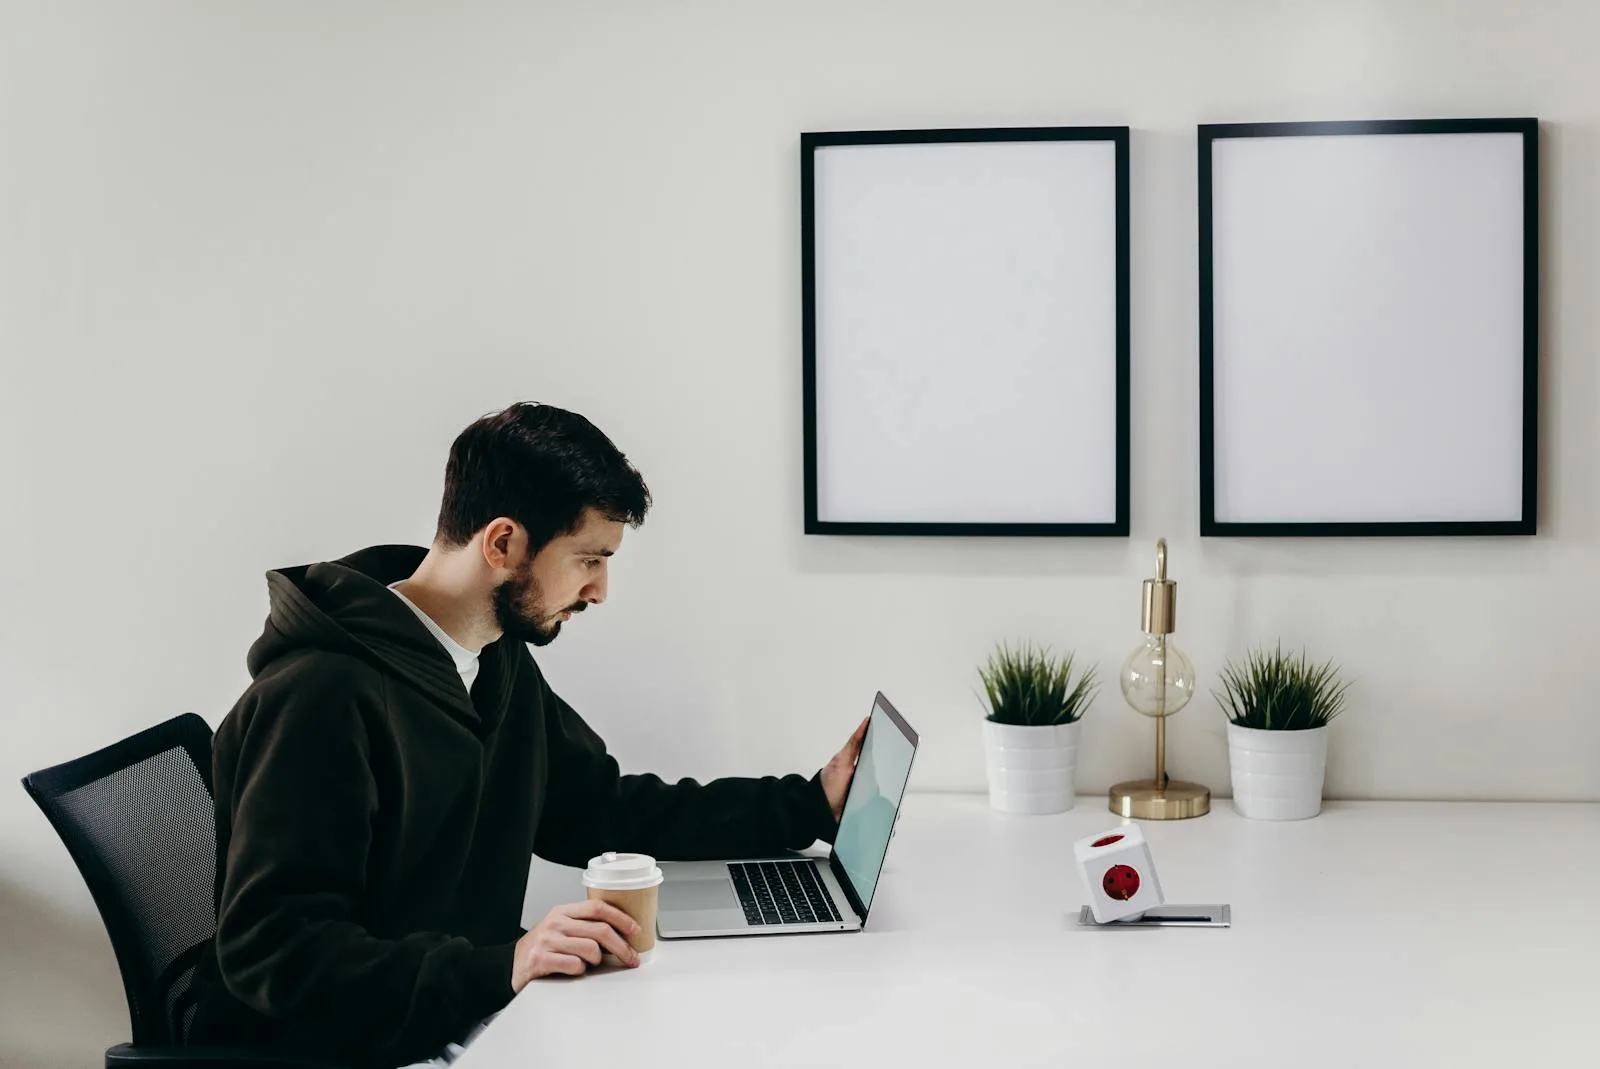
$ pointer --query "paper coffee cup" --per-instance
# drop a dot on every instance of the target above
(632, 883)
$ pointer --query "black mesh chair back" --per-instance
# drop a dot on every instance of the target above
(137, 818)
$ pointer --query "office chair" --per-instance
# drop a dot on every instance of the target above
(137, 818)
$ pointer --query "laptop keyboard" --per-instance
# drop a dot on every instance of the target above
(782, 892)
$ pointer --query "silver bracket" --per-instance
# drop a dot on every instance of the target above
(1214, 916)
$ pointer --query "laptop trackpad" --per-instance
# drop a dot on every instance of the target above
(698, 894)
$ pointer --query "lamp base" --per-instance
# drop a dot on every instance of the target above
(1145, 799)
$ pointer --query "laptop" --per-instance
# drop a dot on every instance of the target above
(796, 894)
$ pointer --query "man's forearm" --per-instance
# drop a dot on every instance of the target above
(688, 820)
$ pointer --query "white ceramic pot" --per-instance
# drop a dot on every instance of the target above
(1031, 769)
(1277, 775)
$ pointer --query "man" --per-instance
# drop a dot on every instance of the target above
(398, 756)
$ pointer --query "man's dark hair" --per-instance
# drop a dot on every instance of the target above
(541, 466)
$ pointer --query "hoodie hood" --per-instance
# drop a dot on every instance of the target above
(345, 606)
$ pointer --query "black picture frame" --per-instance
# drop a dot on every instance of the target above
(1521, 350)
(1115, 523)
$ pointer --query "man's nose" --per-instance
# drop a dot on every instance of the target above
(595, 592)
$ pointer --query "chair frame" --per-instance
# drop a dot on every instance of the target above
(155, 1044)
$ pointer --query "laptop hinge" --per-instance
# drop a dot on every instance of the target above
(850, 895)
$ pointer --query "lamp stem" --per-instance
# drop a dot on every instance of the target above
(1161, 713)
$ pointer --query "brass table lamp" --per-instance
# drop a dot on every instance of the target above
(1158, 680)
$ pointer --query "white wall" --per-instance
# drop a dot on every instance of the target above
(260, 262)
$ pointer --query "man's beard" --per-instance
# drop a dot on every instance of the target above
(520, 611)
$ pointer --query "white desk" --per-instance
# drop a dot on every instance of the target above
(1375, 935)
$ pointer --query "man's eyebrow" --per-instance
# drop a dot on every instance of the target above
(595, 552)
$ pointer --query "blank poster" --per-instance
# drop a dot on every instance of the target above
(1369, 328)
(966, 331)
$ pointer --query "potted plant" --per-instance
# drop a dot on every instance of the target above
(1035, 707)
(1278, 708)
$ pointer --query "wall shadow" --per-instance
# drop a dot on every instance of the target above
(61, 1000)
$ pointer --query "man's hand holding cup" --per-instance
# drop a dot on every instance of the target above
(570, 939)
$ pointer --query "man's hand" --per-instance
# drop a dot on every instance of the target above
(570, 939)
(838, 773)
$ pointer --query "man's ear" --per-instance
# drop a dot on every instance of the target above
(504, 541)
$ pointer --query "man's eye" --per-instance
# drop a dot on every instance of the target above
(595, 563)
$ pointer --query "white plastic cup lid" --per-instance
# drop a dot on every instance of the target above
(612, 871)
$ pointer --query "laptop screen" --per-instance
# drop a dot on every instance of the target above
(874, 798)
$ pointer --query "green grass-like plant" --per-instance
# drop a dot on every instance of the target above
(1031, 687)
(1276, 691)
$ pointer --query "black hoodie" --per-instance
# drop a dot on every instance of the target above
(375, 822)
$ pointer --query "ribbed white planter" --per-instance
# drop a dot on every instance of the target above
(1277, 775)
(1031, 769)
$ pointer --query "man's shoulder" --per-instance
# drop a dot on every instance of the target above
(302, 688)
(319, 671)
